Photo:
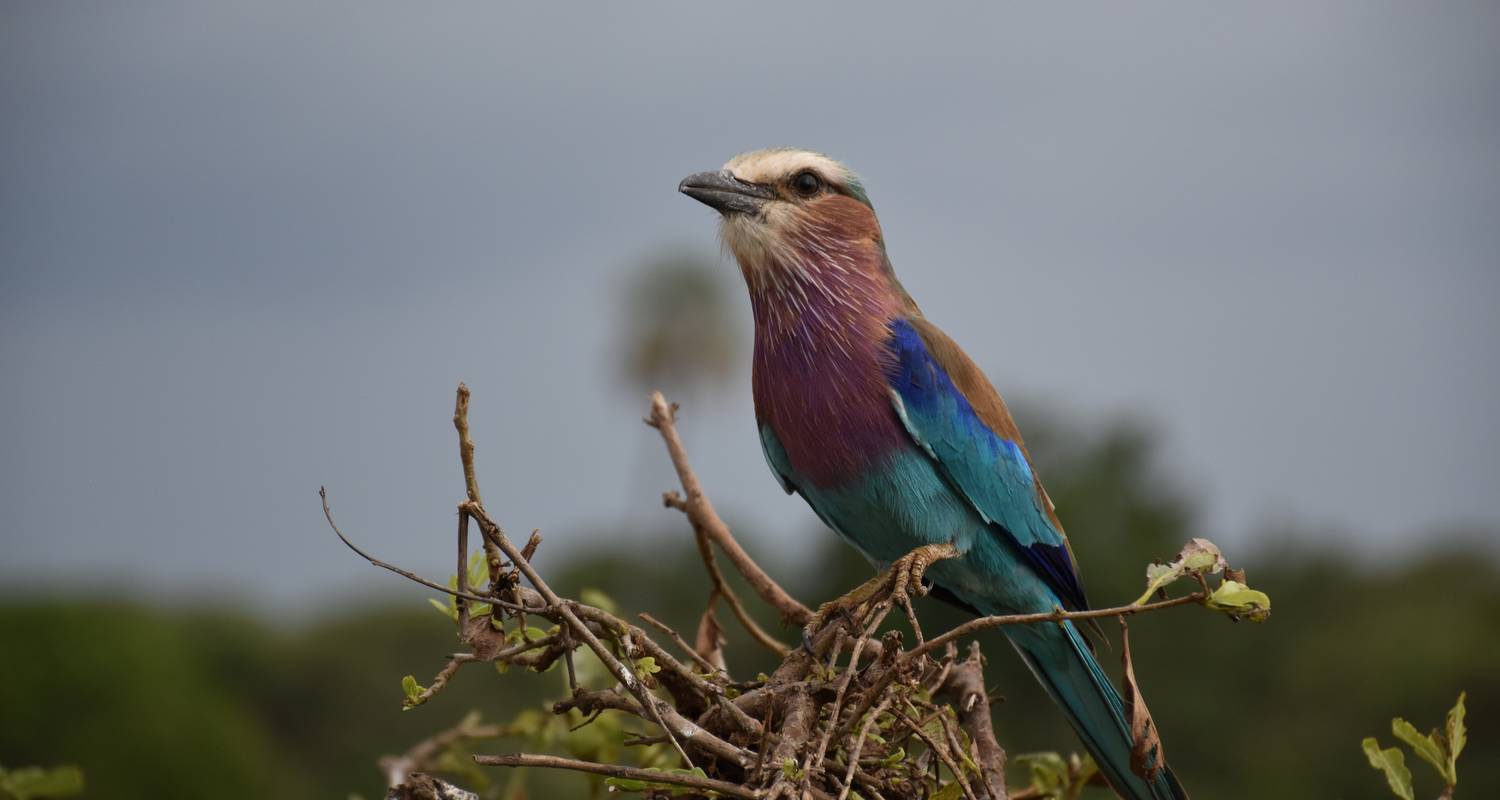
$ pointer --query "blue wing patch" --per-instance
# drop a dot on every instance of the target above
(990, 471)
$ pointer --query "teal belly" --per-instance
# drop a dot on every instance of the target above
(905, 504)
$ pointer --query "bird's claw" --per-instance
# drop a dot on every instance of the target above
(908, 571)
(900, 583)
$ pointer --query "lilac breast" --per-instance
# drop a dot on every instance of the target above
(819, 383)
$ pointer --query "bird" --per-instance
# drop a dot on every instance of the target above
(893, 435)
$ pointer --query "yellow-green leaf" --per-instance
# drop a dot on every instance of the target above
(953, 791)
(479, 571)
(1157, 577)
(445, 609)
(1424, 745)
(896, 757)
(1202, 556)
(413, 691)
(528, 634)
(1240, 601)
(1458, 736)
(1049, 772)
(600, 600)
(1393, 764)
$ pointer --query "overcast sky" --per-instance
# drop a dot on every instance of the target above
(248, 249)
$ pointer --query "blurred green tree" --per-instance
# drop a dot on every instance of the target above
(159, 701)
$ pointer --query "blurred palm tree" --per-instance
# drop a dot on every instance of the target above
(679, 329)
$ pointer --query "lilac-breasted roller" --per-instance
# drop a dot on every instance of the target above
(892, 434)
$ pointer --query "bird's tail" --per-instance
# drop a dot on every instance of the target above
(1061, 660)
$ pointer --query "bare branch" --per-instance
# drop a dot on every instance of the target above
(836, 713)
(681, 643)
(701, 513)
(411, 576)
(616, 771)
(964, 682)
(1057, 615)
(721, 586)
(421, 755)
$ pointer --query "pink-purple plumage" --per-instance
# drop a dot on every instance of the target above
(820, 329)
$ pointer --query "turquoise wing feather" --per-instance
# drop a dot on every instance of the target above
(988, 466)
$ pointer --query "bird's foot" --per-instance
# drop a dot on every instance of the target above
(906, 574)
(898, 584)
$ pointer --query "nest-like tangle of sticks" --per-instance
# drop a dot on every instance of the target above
(848, 712)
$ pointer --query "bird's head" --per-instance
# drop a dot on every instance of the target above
(788, 211)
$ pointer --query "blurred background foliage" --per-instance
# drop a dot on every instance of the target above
(157, 701)
(200, 699)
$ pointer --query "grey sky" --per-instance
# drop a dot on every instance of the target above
(248, 250)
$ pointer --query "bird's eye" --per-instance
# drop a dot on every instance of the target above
(807, 183)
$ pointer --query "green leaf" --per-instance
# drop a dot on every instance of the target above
(896, 757)
(790, 769)
(528, 634)
(413, 692)
(953, 791)
(646, 666)
(1240, 602)
(1157, 577)
(1049, 772)
(1458, 736)
(1424, 745)
(446, 609)
(1393, 764)
(35, 783)
(600, 600)
(479, 571)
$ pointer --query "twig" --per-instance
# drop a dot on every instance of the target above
(440, 680)
(495, 535)
(721, 586)
(941, 751)
(1056, 615)
(616, 771)
(796, 727)
(463, 569)
(680, 642)
(420, 755)
(954, 745)
(465, 444)
(816, 757)
(622, 673)
(859, 744)
(965, 683)
(701, 513)
(411, 576)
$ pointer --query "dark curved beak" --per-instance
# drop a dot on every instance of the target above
(725, 193)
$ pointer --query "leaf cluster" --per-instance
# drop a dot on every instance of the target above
(1439, 748)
